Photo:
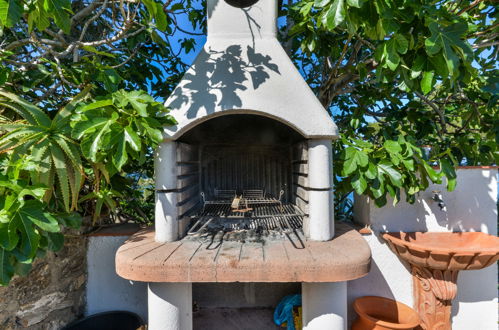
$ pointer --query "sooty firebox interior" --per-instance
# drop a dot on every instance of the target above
(240, 177)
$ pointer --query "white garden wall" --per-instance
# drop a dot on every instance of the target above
(106, 291)
(471, 207)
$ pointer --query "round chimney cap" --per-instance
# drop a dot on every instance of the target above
(241, 3)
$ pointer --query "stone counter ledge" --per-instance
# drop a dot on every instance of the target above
(346, 257)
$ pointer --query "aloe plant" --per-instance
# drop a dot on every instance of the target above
(47, 140)
(53, 165)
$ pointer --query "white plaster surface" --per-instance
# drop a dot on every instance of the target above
(320, 160)
(170, 306)
(106, 291)
(166, 223)
(321, 215)
(321, 205)
(244, 69)
(324, 306)
(165, 166)
(471, 207)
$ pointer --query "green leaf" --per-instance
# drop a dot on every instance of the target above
(29, 237)
(417, 66)
(97, 104)
(72, 220)
(371, 171)
(62, 175)
(55, 241)
(137, 99)
(110, 78)
(378, 187)
(98, 209)
(355, 3)
(446, 40)
(8, 235)
(30, 112)
(161, 18)
(120, 157)
(335, 14)
(156, 11)
(353, 159)
(391, 50)
(88, 126)
(38, 17)
(6, 268)
(427, 82)
(34, 211)
(155, 134)
(401, 43)
(359, 183)
(450, 172)
(98, 52)
(409, 164)
(20, 136)
(97, 138)
(58, 10)
(392, 146)
(132, 138)
(395, 177)
(434, 176)
(321, 3)
(10, 12)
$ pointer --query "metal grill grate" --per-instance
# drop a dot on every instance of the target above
(221, 222)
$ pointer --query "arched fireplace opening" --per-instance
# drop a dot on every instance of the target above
(243, 175)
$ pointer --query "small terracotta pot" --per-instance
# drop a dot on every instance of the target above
(378, 313)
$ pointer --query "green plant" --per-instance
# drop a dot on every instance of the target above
(115, 128)
(28, 228)
(55, 155)
(80, 151)
(387, 169)
(397, 75)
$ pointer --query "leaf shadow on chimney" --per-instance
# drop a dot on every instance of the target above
(217, 79)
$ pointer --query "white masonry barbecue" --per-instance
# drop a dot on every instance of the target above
(243, 69)
(244, 180)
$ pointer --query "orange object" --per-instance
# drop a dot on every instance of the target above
(379, 313)
(436, 259)
(366, 230)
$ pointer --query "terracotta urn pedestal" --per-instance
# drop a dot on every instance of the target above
(436, 259)
(434, 291)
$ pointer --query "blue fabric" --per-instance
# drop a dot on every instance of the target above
(284, 311)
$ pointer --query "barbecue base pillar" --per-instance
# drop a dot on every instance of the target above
(170, 306)
(324, 306)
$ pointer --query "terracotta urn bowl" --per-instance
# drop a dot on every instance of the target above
(445, 251)
(379, 313)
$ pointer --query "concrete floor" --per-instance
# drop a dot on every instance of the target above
(234, 319)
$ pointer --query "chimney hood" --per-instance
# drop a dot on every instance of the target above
(243, 69)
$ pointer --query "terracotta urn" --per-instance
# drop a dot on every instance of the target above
(379, 313)
(436, 258)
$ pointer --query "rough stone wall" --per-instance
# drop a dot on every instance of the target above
(52, 295)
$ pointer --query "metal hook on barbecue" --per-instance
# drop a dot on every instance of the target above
(219, 234)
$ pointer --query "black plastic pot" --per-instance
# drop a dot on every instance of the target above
(108, 321)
